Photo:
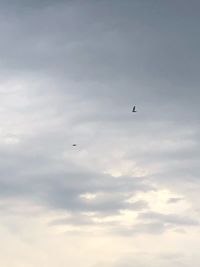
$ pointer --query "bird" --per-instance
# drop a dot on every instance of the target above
(134, 109)
(74, 145)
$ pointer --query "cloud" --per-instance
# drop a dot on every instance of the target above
(171, 219)
(174, 200)
(70, 73)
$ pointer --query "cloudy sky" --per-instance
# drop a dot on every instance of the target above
(128, 194)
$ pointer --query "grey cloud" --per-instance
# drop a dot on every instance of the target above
(100, 210)
(70, 73)
(110, 47)
(53, 182)
(151, 228)
(172, 219)
(92, 71)
(174, 199)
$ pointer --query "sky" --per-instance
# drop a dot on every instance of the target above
(128, 194)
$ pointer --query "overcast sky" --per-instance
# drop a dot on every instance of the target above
(128, 194)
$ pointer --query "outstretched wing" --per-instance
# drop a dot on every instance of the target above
(133, 109)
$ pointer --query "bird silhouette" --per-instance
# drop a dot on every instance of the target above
(74, 145)
(134, 109)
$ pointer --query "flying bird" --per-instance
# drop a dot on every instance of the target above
(74, 145)
(134, 109)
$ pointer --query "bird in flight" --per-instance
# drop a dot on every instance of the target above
(74, 145)
(134, 109)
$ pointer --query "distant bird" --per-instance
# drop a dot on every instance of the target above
(74, 145)
(134, 109)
